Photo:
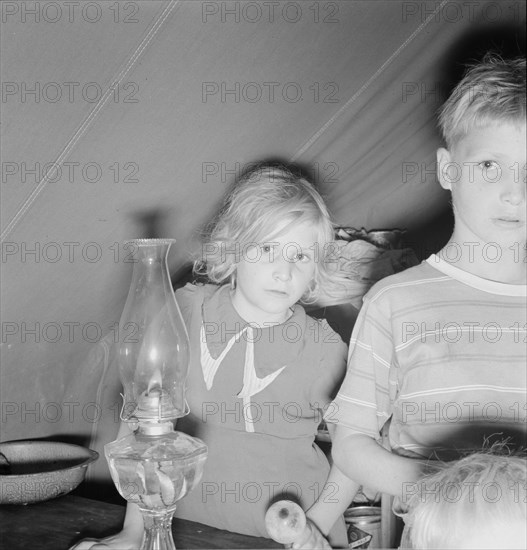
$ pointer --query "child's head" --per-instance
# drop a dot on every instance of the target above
(266, 203)
(476, 502)
(491, 92)
(484, 164)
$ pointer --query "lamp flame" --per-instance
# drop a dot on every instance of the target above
(156, 382)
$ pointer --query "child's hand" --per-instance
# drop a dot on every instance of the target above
(311, 539)
(90, 544)
(120, 541)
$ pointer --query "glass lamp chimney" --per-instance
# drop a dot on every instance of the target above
(153, 351)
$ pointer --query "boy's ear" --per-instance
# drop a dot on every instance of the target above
(443, 168)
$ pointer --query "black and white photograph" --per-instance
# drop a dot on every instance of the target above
(263, 278)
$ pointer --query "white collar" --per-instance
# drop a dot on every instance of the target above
(486, 285)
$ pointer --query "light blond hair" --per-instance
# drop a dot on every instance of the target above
(266, 201)
(487, 488)
(491, 92)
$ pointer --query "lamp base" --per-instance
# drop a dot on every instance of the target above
(158, 529)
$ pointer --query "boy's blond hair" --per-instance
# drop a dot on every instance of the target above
(479, 490)
(491, 92)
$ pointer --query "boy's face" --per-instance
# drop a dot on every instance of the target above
(485, 171)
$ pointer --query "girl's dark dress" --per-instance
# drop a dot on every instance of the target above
(256, 397)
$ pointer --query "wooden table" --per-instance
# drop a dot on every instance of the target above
(59, 523)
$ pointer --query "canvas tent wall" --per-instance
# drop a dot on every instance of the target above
(147, 110)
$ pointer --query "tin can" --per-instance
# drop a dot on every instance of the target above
(364, 526)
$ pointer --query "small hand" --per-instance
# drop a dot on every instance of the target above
(120, 541)
(86, 544)
(311, 539)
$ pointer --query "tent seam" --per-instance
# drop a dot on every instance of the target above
(81, 130)
(332, 119)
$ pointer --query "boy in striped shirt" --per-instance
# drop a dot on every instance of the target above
(437, 357)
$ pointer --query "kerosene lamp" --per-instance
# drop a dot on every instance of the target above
(154, 466)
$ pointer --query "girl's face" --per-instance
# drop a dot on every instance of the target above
(272, 276)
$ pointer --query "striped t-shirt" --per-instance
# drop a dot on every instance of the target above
(441, 353)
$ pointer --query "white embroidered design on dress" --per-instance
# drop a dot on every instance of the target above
(251, 383)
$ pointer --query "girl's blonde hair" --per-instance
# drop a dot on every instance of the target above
(265, 201)
(491, 92)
